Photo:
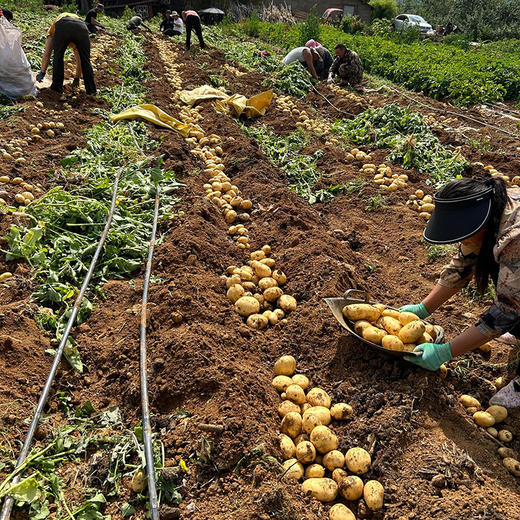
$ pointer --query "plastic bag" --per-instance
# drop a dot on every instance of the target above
(15, 72)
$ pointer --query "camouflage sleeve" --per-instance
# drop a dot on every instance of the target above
(459, 271)
(334, 67)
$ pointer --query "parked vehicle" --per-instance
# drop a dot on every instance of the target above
(405, 21)
(332, 17)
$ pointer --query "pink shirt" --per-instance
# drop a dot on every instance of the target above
(188, 13)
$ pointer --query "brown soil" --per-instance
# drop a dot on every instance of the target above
(203, 359)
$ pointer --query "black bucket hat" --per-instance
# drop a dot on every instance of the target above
(454, 220)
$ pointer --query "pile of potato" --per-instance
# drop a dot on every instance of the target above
(439, 122)
(171, 65)
(24, 193)
(255, 290)
(358, 155)
(421, 203)
(384, 178)
(393, 330)
(515, 181)
(47, 128)
(345, 93)
(489, 419)
(305, 120)
(310, 448)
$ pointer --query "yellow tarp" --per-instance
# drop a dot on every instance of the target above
(156, 116)
(253, 107)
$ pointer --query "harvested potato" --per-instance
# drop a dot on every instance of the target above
(138, 482)
(310, 421)
(505, 436)
(425, 338)
(391, 342)
(305, 452)
(285, 366)
(315, 471)
(272, 294)
(390, 313)
(300, 438)
(412, 331)
(287, 303)
(472, 409)
(499, 382)
(247, 305)
(293, 469)
(484, 419)
(323, 439)
(374, 334)
(338, 475)
(257, 321)
(287, 446)
(257, 255)
(301, 380)
(468, 401)
(373, 493)
(391, 325)
(498, 412)
(323, 489)
(279, 276)
(341, 411)
(361, 325)
(304, 407)
(287, 406)
(492, 431)
(512, 465)
(271, 317)
(361, 311)
(279, 313)
(406, 317)
(261, 270)
(295, 393)
(267, 283)
(292, 424)
(322, 412)
(351, 488)
(318, 397)
(358, 460)
(333, 459)
(341, 512)
(507, 452)
(281, 383)
(430, 329)
(266, 249)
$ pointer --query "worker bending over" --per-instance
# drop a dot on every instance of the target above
(347, 66)
(135, 22)
(91, 19)
(68, 30)
(307, 58)
(192, 21)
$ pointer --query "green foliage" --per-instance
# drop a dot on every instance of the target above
(375, 203)
(252, 25)
(352, 24)
(291, 79)
(311, 28)
(383, 9)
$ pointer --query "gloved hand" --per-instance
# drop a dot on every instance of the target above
(418, 309)
(433, 356)
(40, 76)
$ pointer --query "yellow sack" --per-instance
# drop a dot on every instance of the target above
(156, 116)
(204, 93)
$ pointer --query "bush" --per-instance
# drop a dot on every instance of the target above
(252, 25)
(383, 9)
(352, 25)
(311, 28)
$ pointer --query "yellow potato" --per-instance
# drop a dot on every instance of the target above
(505, 436)
(279, 276)
(257, 255)
(341, 512)
(295, 393)
(338, 475)
(412, 331)
(391, 325)
(310, 421)
(320, 411)
(287, 303)
(315, 471)
(138, 482)
(293, 469)
(323, 489)
(373, 493)
(261, 270)
(247, 305)
(351, 488)
(498, 412)
(392, 343)
(287, 446)
(484, 419)
(318, 397)
(374, 334)
(305, 452)
(492, 431)
(407, 317)
(267, 283)
(361, 325)
(507, 452)
(333, 459)
(281, 383)
(292, 424)
(323, 439)
(287, 406)
(257, 321)
(469, 401)
(285, 366)
(300, 438)
(391, 313)
(361, 311)
(512, 465)
(301, 380)
(272, 294)
(304, 407)
(425, 338)
(341, 411)
(358, 460)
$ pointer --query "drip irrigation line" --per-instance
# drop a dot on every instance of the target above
(9, 501)
(147, 429)
(333, 106)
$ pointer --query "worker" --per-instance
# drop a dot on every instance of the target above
(347, 66)
(91, 19)
(135, 22)
(177, 24)
(7, 14)
(68, 30)
(313, 44)
(323, 67)
(306, 57)
(192, 21)
(484, 217)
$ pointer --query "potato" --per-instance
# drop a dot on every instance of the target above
(341, 512)
(267, 283)
(492, 431)
(249, 286)
(304, 407)
(374, 334)
(261, 270)
(305, 452)
(323, 489)
(310, 421)
(484, 419)
(318, 397)
(301, 380)
(498, 412)
(272, 294)
(138, 482)
(505, 436)
(295, 393)
(391, 325)
(469, 401)
(341, 411)
(338, 475)
(361, 325)
(287, 446)
(333, 459)
(322, 412)
(266, 249)
(392, 343)
(279, 276)
(293, 469)
(425, 338)
(247, 305)
(351, 488)
(471, 410)
(499, 382)
(285, 366)
(235, 292)
(507, 452)
(271, 317)
(257, 255)
(430, 329)
(390, 313)
(428, 207)
(281, 383)
(361, 311)
(287, 406)
(315, 471)
(287, 303)
(512, 465)
(257, 321)
(323, 439)
(279, 313)
(406, 317)
(300, 438)
(292, 424)
(373, 493)
(412, 331)
(358, 460)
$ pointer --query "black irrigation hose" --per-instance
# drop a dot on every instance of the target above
(147, 430)
(9, 501)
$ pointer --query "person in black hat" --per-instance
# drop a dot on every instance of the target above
(91, 19)
(484, 218)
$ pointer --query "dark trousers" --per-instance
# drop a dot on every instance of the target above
(193, 23)
(171, 32)
(70, 30)
(92, 28)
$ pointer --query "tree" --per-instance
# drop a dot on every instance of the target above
(384, 9)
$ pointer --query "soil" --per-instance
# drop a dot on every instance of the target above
(205, 360)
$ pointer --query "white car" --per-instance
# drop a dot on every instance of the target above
(405, 21)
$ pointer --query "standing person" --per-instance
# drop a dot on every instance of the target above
(91, 19)
(177, 24)
(192, 21)
(135, 22)
(347, 66)
(484, 217)
(68, 30)
(306, 57)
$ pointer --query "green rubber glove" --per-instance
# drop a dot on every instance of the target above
(433, 356)
(419, 310)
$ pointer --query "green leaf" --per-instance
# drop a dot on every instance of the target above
(86, 410)
(26, 491)
(127, 510)
(71, 354)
